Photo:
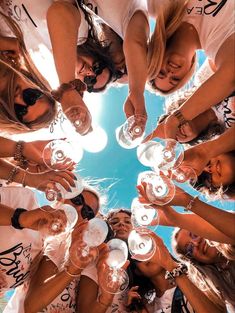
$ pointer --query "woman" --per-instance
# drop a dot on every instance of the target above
(92, 297)
(211, 265)
(24, 106)
(212, 31)
(53, 269)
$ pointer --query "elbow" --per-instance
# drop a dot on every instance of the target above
(59, 9)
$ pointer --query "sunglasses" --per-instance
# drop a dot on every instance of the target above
(189, 248)
(86, 210)
(30, 97)
(91, 80)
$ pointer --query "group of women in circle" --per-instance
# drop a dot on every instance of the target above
(96, 44)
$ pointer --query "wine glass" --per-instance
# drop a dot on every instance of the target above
(115, 279)
(129, 135)
(75, 191)
(184, 174)
(84, 250)
(142, 214)
(162, 154)
(51, 195)
(62, 220)
(159, 189)
(141, 244)
(57, 155)
(80, 118)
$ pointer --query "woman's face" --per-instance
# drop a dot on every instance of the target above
(221, 170)
(84, 68)
(174, 68)
(196, 247)
(121, 225)
(34, 111)
(90, 200)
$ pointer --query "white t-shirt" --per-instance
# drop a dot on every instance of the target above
(66, 301)
(117, 13)
(214, 22)
(19, 249)
(119, 300)
(164, 304)
(31, 17)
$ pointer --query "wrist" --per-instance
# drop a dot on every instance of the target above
(72, 271)
(105, 300)
(171, 265)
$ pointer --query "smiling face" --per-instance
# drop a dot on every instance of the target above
(174, 69)
(35, 111)
(120, 223)
(196, 247)
(84, 68)
(221, 170)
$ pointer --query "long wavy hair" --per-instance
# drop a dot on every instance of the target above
(217, 283)
(24, 68)
(169, 16)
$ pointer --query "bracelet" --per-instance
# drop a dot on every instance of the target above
(190, 204)
(15, 218)
(70, 274)
(12, 174)
(180, 117)
(176, 272)
(18, 155)
(76, 84)
(23, 179)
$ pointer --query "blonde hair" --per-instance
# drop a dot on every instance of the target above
(218, 285)
(23, 67)
(169, 17)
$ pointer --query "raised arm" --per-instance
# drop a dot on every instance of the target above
(135, 51)
(63, 20)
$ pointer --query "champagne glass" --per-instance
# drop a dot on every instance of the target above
(159, 189)
(115, 279)
(84, 250)
(141, 244)
(162, 154)
(129, 135)
(57, 155)
(184, 174)
(58, 221)
(142, 214)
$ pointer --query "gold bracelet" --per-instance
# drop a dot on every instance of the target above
(23, 179)
(180, 117)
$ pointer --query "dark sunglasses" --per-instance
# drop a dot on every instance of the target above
(30, 97)
(86, 211)
(91, 80)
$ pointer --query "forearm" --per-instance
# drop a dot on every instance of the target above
(198, 300)
(135, 51)
(63, 20)
(222, 220)
(200, 227)
(7, 147)
(48, 291)
(6, 168)
(6, 214)
(209, 93)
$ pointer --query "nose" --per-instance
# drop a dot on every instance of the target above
(196, 241)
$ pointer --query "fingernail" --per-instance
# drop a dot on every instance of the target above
(69, 189)
(75, 178)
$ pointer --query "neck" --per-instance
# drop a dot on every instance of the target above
(160, 283)
(185, 39)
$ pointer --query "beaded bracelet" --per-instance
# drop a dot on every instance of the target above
(180, 117)
(176, 272)
(18, 155)
(12, 174)
(75, 84)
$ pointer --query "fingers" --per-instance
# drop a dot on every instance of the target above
(68, 176)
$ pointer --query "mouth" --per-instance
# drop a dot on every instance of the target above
(174, 65)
